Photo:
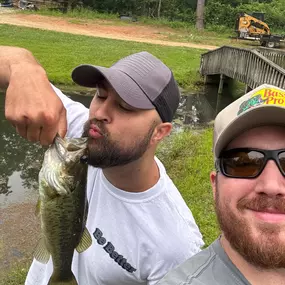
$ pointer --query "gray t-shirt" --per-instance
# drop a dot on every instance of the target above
(211, 266)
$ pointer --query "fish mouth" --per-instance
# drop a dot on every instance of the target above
(72, 151)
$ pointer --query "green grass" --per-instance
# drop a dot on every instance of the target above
(59, 53)
(188, 159)
(16, 276)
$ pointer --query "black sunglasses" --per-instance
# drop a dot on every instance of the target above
(248, 162)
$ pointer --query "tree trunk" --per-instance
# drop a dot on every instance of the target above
(158, 9)
(200, 15)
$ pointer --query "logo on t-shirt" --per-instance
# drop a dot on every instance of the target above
(110, 249)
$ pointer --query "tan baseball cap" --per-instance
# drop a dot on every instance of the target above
(264, 105)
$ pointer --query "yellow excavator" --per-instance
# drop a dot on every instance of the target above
(253, 27)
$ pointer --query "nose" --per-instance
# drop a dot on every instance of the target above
(271, 182)
(101, 110)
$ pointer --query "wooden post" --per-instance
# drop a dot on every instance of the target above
(247, 89)
(188, 108)
(220, 92)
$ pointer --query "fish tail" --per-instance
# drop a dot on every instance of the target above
(70, 281)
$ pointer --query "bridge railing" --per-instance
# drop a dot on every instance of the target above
(275, 55)
(245, 65)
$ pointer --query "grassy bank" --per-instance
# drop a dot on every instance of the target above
(188, 159)
(59, 53)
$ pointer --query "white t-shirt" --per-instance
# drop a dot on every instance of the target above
(137, 237)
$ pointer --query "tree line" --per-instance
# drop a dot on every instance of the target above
(214, 12)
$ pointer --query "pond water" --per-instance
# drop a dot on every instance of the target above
(20, 161)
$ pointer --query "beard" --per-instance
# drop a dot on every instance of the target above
(105, 152)
(266, 251)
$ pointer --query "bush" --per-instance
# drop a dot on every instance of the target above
(220, 14)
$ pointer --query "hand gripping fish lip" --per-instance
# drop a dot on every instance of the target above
(70, 151)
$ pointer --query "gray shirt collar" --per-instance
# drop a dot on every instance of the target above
(219, 250)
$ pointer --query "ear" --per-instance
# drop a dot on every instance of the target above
(213, 179)
(160, 132)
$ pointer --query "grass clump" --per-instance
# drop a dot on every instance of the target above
(16, 276)
(81, 13)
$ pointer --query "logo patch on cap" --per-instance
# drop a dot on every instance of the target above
(265, 96)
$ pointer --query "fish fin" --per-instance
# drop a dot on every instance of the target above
(85, 241)
(38, 207)
(71, 281)
(41, 253)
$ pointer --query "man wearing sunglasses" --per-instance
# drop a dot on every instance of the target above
(249, 194)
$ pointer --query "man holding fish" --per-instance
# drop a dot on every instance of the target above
(138, 223)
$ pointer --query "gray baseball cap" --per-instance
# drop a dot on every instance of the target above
(263, 106)
(140, 79)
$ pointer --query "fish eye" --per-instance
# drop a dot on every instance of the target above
(84, 159)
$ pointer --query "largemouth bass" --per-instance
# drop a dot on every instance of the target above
(63, 207)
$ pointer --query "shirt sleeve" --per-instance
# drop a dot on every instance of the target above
(77, 114)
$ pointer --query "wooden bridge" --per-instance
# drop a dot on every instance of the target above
(250, 66)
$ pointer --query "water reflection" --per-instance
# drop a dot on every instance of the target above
(199, 108)
(20, 161)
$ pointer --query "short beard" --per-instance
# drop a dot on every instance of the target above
(268, 251)
(105, 153)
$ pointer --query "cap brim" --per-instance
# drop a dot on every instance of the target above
(261, 116)
(90, 75)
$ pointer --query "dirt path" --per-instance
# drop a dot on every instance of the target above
(19, 228)
(97, 28)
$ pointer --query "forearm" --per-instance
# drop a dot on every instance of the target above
(17, 62)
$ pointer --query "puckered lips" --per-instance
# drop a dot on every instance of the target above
(94, 132)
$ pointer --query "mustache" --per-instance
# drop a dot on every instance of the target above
(96, 122)
(262, 203)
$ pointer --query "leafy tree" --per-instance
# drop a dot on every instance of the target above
(217, 12)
